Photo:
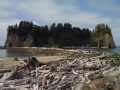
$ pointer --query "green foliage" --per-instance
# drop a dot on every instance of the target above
(94, 54)
(100, 30)
(114, 59)
(114, 56)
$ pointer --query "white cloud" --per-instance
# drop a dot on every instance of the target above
(50, 11)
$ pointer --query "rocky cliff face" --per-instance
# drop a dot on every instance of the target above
(103, 41)
(14, 41)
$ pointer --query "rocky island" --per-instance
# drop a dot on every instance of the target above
(27, 34)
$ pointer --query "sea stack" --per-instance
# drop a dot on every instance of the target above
(102, 37)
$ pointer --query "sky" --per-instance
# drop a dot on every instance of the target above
(79, 13)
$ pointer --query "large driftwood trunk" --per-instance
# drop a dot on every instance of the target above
(10, 75)
(32, 62)
(8, 88)
(5, 70)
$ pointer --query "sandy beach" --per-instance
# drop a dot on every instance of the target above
(6, 63)
(51, 54)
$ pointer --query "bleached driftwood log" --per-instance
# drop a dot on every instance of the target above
(22, 87)
(8, 88)
(10, 75)
(5, 70)
(94, 67)
(16, 81)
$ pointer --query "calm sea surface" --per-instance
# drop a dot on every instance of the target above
(110, 50)
(4, 53)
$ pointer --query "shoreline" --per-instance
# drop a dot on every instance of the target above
(50, 54)
(82, 47)
(9, 62)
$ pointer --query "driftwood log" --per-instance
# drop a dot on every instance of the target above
(8, 76)
(5, 70)
(94, 67)
(32, 62)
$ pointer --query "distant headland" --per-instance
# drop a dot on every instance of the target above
(1, 47)
(27, 34)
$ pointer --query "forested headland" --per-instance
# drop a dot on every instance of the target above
(27, 34)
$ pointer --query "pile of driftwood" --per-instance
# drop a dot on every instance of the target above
(64, 74)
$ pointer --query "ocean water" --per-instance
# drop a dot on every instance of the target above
(109, 50)
(5, 54)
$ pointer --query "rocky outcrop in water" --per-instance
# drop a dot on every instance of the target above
(14, 40)
(104, 41)
(102, 37)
